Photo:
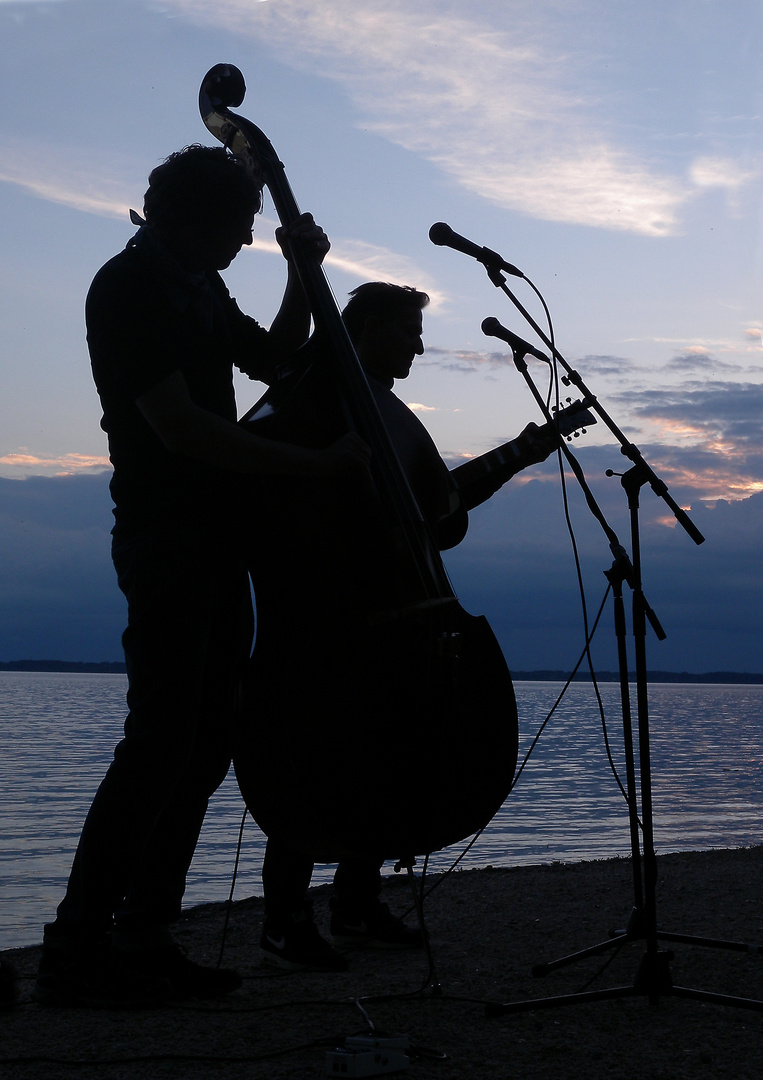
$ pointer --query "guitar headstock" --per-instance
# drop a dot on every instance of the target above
(572, 419)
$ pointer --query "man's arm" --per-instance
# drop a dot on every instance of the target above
(477, 480)
(291, 326)
(188, 430)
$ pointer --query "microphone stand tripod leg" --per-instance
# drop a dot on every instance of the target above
(432, 981)
(635, 929)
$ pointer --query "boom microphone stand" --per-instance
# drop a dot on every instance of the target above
(653, 978)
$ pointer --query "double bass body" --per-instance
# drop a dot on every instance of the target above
(376, 719)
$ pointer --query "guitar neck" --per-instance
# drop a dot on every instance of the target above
(497, 466)
(476, 480)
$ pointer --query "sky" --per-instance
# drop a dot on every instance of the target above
(611, 149)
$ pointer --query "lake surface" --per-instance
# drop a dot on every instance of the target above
(58, 731)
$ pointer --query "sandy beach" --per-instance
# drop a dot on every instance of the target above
(488, 929)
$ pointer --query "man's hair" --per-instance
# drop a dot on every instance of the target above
(200, 184)
(380, 300)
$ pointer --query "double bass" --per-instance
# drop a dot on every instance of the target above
(376, 716)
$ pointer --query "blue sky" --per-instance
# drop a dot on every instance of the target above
(611, 150)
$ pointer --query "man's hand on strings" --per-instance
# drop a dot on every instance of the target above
(305, 232)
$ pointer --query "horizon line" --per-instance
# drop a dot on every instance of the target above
(118, 667)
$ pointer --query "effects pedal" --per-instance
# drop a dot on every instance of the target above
(364, 1055)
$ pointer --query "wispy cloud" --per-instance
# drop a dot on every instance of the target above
(370, 262)
(466, 359)
(724, 174)
(82, 187)
(723, 407)
(698, 359)
(708, 436)
(51, 173)
(24, 463)
(709, 473)
(491, 100)
(721, 172)
(487, 94)
(360, 260)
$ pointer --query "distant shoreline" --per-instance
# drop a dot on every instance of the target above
(105, 667)
(108, 667)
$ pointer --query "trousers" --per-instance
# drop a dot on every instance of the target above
(189, 631)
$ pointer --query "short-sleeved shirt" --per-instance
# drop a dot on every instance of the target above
(146, 319)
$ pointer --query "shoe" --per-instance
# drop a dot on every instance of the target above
(375, 926)
(186, 979)
(8, 986)
(90, 973)
(295, 944)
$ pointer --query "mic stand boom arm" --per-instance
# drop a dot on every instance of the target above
(627, 448)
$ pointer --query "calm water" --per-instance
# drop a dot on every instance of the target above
(58, 731)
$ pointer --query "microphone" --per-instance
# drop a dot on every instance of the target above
(492, 328)
(442, 235)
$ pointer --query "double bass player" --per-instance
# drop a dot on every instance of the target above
(164, 335)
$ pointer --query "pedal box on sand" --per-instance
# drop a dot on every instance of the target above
(368, 1056)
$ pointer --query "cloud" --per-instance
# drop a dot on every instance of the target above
(85, 188)
(725, 174)
(466, 360)
(723, 407)
(369, 262)
(23, 463)
(48, 171)
(359, 259)
(58, 594)
(493, 102)
(606, 365)
(697, 358)
(708, 437)
(704, 437)
(721, 172)
(708, 597)
(704, 440)
(59, 599)
(712, 473)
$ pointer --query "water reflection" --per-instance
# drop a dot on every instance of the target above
(59, 731)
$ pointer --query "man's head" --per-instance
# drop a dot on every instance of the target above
(201, 204)
(384, 322)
